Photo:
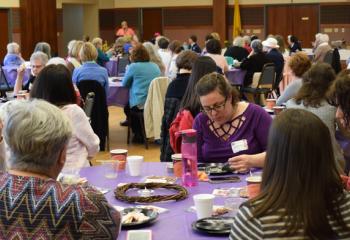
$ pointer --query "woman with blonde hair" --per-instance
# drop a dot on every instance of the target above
(299, 63)
(73, 59)
(90, 70)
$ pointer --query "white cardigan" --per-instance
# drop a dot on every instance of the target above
(84, 143)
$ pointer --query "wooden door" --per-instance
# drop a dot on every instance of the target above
(278, 20)
(38, 24)
(306, 23)
(4, 35)
(299, 20)
(152, 22)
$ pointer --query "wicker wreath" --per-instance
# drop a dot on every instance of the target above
(120, 192)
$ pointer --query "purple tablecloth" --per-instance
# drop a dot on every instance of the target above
(117, 94)
(236, 76)
(172, 225)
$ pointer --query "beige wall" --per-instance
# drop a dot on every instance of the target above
(9, 3)
(91, 21)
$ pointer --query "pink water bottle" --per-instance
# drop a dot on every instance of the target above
(189, 157)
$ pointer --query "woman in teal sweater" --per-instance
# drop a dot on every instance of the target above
(138, 77)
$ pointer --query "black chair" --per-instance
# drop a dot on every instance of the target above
(265, 85)
(88, 104)
(137, 116)
(99, 113)
(121, 65)
(4, 84)
(171, 108)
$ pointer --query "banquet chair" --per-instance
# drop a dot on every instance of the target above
(121, 65)
(89, 103)
(171, 108)
(154, 106)
(99, 112)
(137, 116)
(264, 87)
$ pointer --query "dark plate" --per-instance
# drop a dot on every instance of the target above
(152, 214)
(215, 169)
(214, 225)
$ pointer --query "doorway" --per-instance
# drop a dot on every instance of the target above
(152, 22)
(4, 36)
(299, 20)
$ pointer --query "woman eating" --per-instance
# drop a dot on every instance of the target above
(229, 130)
(54, 84)
(302, 195)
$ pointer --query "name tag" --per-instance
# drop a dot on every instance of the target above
(239, 146)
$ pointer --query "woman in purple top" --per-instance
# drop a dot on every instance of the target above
(229, 130)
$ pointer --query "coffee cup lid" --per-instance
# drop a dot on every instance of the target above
(119, 151)
(176, 156)
(279, 107)
(253, 179)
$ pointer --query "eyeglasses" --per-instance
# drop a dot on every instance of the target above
(217, 107)
(36, 66)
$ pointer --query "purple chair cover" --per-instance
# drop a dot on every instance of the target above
(174, 224)
(236, 76)
(11, 75)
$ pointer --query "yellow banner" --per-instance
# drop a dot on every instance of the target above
(236, 20)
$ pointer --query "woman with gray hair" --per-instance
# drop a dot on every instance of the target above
(322, 49)
(237, 51)
(43, 47)
(154, 56)
(13, 56)
(254, 62)
(37, 134)
(38, 60)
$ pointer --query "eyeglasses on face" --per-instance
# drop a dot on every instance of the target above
(217, 107)
(36, 66)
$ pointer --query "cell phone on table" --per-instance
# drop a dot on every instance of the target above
(224, 179)
(139, 235)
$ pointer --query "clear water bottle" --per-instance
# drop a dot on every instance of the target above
(189, 157)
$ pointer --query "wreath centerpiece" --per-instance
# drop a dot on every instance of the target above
(120, 192)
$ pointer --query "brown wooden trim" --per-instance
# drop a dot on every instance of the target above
(189, 27)
(334, 3)
(187, 7)
(247, 6)
(338, 25)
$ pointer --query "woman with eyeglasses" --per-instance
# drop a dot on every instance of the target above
(229, 130)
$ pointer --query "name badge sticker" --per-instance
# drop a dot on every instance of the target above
(239, 145)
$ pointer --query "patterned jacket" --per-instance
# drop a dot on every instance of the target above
(34, 208)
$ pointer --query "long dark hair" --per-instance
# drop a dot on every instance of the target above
(190, 101)
(54, 84)
(339, 94)
(300, 176)
(316, 82)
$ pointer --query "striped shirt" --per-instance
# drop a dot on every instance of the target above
(273, 226)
